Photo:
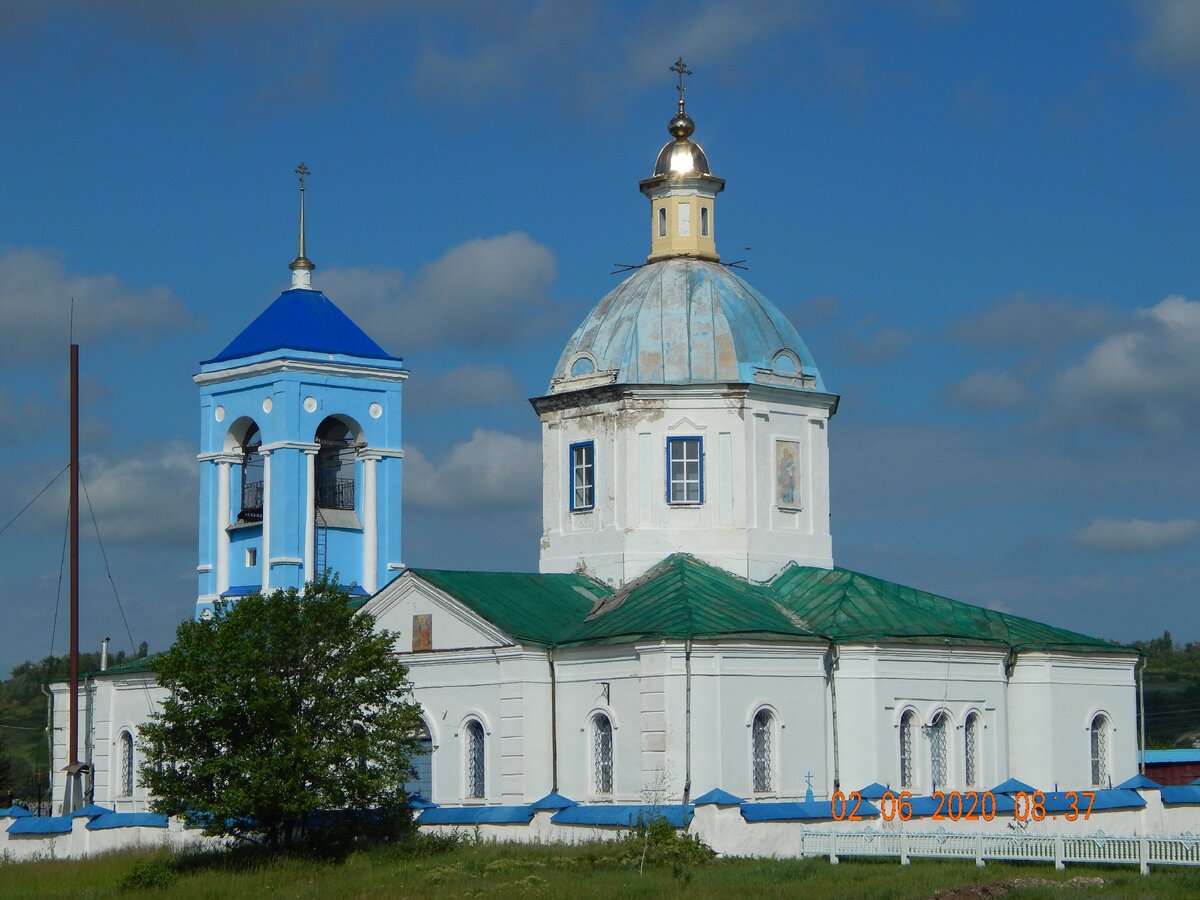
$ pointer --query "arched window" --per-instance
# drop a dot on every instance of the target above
(762, 751)
(422, 763)
(126, 742)
(335, 465)
(662, 221)
(906, 749)
(704, 221)
(602, 754)
(937, 751)
(971, 750)
(475, 760)
(252, 476)
(1099, 740)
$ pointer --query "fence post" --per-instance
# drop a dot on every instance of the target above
(833, 859)
(1144, 854)
(979, 850)
(1059, 852)
(903, 848)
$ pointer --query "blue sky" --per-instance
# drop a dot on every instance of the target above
(981, 217)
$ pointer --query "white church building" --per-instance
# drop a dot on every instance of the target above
(688, 630)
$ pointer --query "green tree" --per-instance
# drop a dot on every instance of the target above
(279, 706)
(6, 779)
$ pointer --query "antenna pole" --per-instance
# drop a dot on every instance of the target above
(72, 786)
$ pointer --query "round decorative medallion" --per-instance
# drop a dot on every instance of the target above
(206, 615)
(310, 404)
(219, 414)
(375, 410)
(268, 404)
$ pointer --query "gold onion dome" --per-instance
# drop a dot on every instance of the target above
(681, 156)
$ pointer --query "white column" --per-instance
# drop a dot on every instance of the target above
(310, 514)
(265, 560)
(370, 578)
(221, 523)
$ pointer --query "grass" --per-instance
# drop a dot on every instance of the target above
(433, 869)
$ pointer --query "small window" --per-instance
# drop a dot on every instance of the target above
(685, 483)
(602, 754)
(251, 557)
(762, 751)
(938, 752)
(704, 221)
(1098, 734)
(906, 749)
(126, 740)
(583, 365)
(583, 476)
(475, 760)
(971, 749)
(662, 221)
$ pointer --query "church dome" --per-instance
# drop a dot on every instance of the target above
(685, 321)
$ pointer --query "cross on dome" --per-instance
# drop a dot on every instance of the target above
(681, 67)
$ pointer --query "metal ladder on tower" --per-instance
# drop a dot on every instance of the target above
(321, 550)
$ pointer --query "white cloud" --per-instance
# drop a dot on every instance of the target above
(492, 469)
(1019, 323)
(150, 497)
(988, 390)
(35, 306)
(1145, 376)
(1135, 535)
(1170, 41)
(482, 292)
(468, 386)
(883, 346)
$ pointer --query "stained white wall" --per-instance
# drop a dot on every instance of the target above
(739, 526)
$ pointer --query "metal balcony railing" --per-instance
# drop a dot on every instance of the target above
(335, 493)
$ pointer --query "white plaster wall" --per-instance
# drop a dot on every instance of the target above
(107, 705)
(738, 526)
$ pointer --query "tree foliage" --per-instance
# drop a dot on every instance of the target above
(280, 706)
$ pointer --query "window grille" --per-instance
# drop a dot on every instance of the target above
(252, 477)
(906, 750)
(602, 755)
(937, 751)
(126, 764)
(1099, 736)
(684, 477)
(475, 769)
(583, 475)
(762, 751)
(971, 749)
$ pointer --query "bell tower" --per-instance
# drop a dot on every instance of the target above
(300, 459)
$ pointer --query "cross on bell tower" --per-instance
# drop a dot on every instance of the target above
(302, 266)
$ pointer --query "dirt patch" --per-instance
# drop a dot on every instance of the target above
(1008, 886)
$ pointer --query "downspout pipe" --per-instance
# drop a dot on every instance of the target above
(553, 724)
(832, 659)
(1141, 687)
(687, 722)
(49, 747)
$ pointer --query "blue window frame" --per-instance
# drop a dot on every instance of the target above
(685, 470)
(583, 475)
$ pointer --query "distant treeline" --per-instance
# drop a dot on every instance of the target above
(1172, 692)
(24, 753)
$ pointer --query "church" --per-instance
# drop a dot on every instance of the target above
(688, 630)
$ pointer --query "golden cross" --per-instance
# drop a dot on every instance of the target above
(682, 69)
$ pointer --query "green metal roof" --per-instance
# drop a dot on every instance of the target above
(683, 597)
(144, 664)
(526, 606)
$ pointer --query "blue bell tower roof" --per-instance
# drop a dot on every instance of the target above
(302, 320)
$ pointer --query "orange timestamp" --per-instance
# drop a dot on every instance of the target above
(971, 806)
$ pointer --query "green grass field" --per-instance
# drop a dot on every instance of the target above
(469, 869)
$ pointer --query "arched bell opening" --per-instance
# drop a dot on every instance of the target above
(336, 458)
(251, 509)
